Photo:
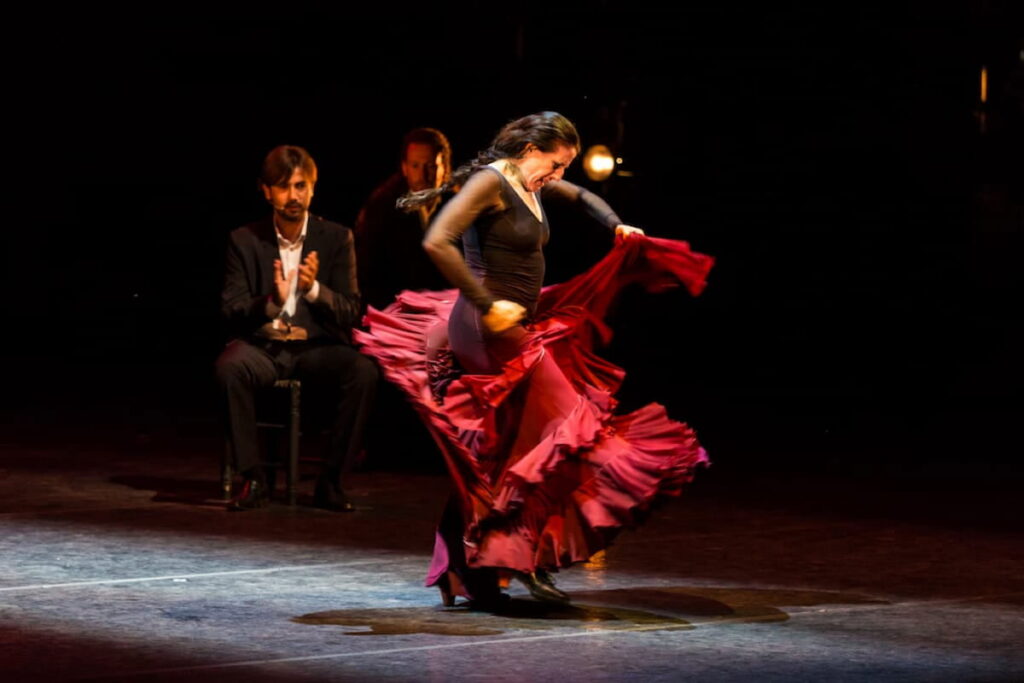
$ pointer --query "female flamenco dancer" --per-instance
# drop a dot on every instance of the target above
(545, 475)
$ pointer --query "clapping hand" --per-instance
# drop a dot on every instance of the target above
(282, 284)
(308, 269)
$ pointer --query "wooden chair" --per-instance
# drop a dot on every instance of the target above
(290, 423)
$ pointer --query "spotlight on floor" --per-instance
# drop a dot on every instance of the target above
(598, 163)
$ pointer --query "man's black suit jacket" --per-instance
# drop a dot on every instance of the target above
(390, 249)
(249, 280)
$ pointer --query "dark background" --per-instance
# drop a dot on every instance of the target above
(864, 208)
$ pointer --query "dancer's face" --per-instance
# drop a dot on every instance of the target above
(540, 168)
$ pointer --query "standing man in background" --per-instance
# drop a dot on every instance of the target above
(390, 256)
(391, 259)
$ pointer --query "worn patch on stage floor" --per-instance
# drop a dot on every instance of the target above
(619, 609)
(460, 621)
(734, 604)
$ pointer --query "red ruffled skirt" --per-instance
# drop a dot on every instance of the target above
(545, 473)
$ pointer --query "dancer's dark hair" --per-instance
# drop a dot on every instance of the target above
(546, 131)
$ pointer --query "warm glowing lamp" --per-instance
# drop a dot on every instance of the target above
(598, 162)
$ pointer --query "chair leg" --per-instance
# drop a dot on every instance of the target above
(226, 473)
(293, 441)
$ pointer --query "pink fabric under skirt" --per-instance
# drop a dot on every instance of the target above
(545, 473)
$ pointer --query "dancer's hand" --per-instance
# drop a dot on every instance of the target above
(503, 315)
(627, 231)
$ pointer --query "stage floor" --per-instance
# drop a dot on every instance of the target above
(120, 563)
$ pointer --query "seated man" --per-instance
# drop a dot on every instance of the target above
(390, 256)
(289, 301)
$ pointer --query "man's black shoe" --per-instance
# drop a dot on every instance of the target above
(329, 496)
(253, 495)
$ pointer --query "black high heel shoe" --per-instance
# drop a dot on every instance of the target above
(542, 587)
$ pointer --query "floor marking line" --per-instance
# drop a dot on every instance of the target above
(907, 603)
(204, 575)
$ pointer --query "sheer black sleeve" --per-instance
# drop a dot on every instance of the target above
(480, 194)
(583, 199)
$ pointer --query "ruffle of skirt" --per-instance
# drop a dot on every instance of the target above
(572, 494)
